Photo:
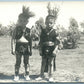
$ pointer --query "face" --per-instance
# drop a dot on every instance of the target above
(23, 21)
(50, 22)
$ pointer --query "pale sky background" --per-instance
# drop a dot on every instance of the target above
(9, 11)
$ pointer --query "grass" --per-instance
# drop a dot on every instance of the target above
(69, 63)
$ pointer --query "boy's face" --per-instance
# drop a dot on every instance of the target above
(23, 21)
(50, 22)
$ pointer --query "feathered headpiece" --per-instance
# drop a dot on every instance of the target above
(26, 13)
(52, 11)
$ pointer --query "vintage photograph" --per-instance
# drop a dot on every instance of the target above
(41, 41)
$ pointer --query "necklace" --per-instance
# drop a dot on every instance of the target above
(49, 31)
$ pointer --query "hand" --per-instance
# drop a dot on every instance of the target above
(40, 53)
(54, 52)
(30, 53)
(13, 52)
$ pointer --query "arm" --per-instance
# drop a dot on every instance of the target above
(56, 49)
(40, 44)
(57, 42)
(30, 44)
(13, 43)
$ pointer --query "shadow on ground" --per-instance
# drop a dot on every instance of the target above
(6, 77)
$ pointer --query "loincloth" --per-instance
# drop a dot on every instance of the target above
(22, 48)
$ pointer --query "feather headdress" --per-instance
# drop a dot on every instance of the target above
(52, 11)
(26, 13)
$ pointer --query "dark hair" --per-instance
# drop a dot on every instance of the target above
(50, 16)
(23, 16)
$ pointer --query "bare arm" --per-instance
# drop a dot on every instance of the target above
(13, 43)
(30, 44)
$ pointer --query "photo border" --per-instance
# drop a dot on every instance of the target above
(39, 82)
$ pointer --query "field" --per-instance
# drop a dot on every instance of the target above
(69, 64)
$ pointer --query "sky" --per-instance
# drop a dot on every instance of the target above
(9, 11)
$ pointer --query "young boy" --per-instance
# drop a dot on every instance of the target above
(22, 43)
(48, 46)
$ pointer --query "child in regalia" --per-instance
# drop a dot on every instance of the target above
(22, 43)
(48, 45)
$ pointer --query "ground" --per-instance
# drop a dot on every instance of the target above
(69, 64)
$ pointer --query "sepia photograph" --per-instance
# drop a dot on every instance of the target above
(42, 42)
